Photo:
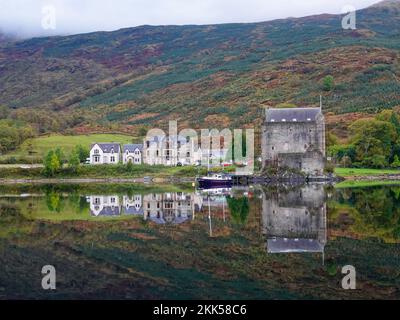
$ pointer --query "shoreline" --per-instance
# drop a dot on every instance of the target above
(165, 180)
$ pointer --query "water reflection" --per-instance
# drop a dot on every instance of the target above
(161, 208)
(164, 238)
(295, 220)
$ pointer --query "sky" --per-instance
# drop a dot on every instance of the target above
(27, 18)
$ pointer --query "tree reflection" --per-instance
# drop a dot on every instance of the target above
(239, 208)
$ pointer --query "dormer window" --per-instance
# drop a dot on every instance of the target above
(112, 150)
(96, 151)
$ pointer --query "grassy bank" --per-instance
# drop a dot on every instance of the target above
(363, 172)
(105, 171)
(366, 183)
(34, 149)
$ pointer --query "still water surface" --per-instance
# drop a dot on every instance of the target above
(132, 242)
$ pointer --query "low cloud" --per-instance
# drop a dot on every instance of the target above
(24, 17)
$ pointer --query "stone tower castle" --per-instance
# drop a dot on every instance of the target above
(294, 138)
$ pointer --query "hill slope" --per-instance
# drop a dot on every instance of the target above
(215, 74)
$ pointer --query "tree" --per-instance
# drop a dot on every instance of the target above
(4, 112)
(331, 139)
(74, 162)
(328, 83)
(396, 162)
(375, 161)
(142, 131)
(52, 163)
(82, 152)
(373, 138)
(129, 166)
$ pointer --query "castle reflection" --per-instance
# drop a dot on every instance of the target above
(295, 220)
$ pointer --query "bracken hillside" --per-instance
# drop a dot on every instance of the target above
(214, 74)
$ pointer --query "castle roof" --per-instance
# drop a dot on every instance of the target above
(292, 114)
(284, 245)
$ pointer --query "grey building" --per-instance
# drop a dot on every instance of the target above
(294, 138)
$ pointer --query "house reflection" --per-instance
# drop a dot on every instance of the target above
(132, 205)
(162, 208)
(171, 208)
(295, 220)
(101, 205)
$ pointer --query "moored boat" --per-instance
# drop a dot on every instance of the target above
(215, 181)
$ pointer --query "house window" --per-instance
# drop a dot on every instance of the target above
(112, 159)
(97, 200)
(112, 200)
(187, 139)
(96, 151)
(148, 144)
(179, 144)
(96, 158)
(273, 148)
(188, 154)
(158, 153)
(112, 150)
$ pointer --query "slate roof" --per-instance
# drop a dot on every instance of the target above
(158, 139)
(282, 245)
(109, 211)
(292, 114)
(106, 147)
(132, 147)
(132, 210)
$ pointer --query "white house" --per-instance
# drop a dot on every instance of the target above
(132, 153)
(105, 153)
(170, 151)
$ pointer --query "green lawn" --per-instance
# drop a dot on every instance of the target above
(353, 172)
(363, 184)
(41, 145)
